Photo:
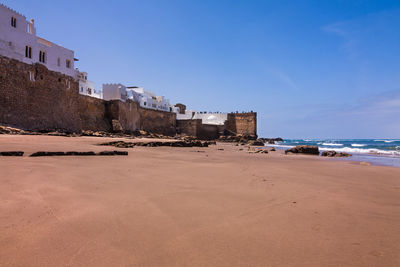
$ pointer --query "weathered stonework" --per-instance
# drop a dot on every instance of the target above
(52, 102)
(242, 123)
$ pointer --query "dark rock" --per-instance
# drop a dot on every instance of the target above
(257, 142)
(271, 149)
(116, 126)
(271, 140)
(332, 153)
(312, 150)
(113, 153)
(47, 154)
(12, 153)
(122, 144)
(69, 153)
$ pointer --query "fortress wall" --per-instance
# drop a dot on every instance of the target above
(188, 127)
(197, 128)
(52, 102)
(127, 113)
(49, 103)
(157, 121)
(242, 123)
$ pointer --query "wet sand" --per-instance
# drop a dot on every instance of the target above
(168, 206)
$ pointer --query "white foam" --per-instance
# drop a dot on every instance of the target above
(331, 144)
(363, 151)
(386, 141)
(358, 145)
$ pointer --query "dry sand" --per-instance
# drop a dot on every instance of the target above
(178, 207)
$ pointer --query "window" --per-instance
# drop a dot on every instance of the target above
(81, 89)
(145, 103)
(42, 57)
(31, 76)
(28, 51)
(89, 91)
(13, 22)
(58, 62)
(68, 63)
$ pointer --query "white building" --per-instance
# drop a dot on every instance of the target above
(114, 91)
(18, 40)
(148, 99)
(86, 87)
(214, 118)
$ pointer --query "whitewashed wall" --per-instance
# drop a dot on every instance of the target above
(206, 118)
(13, 42)
(114, 91)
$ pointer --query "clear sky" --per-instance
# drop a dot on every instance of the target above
(311, 69)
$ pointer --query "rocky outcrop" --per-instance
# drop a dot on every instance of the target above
(116, 126)
(237, 138)
(271, 140)
(12, 154)
(332, 153)
(311, 150)
(76, 153)
(193, 143)
(257, 142)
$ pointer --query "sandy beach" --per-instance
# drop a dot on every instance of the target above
(168, 206)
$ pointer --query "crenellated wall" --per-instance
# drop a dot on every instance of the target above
(242, 123)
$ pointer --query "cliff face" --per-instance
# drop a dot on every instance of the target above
(34, 98)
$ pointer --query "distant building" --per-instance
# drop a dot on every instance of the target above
(213, 118)
(86, 87)
(148, 99)
(114, 91)
(18, 40)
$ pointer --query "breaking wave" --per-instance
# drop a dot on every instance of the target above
(358, 145)
(331, 144)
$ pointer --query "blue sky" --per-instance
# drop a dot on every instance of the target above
(311, 69)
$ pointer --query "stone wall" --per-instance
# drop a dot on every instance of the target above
(198, 129)
(242, 123)
(50, 102)
(157, 121)
(188, 127)
(127, 113)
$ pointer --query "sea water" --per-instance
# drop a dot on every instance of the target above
(375, 151)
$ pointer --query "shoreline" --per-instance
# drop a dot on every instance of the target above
(377, 159)
(191, 206)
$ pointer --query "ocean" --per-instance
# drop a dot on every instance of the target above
(376, 151)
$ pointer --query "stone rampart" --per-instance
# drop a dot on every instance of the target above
(34, 98)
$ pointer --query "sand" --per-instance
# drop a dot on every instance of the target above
(179, 207)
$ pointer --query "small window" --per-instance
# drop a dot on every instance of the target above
(145, 103)
(81, 89)
(31, 76)
(42, 57)
(68, 63)
(58, 62)
(13, 22)
(89, 91)
(28, 51)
